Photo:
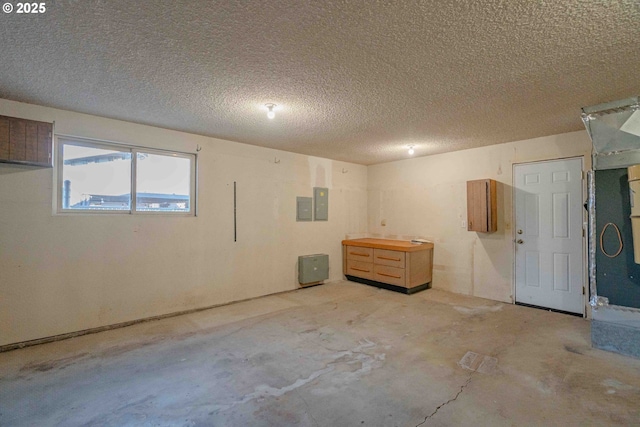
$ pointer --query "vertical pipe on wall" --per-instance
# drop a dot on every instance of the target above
(235, 222)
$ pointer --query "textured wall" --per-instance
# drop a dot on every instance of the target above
(64, 273)
(426, 197)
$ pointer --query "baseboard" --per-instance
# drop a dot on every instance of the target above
(68, 335)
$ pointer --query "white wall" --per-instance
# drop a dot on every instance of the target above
(65, 273)
(426, 197)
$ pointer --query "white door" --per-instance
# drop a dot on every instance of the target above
(549, 215)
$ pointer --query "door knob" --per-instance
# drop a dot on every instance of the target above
(519, 241)
(519, 231)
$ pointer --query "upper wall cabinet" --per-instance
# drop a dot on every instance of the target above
(25, 142)
(482, 212)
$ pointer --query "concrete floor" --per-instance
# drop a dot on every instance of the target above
(342, 354)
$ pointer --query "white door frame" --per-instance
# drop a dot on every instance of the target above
(585, 293)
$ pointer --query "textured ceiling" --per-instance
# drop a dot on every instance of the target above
(354, 80)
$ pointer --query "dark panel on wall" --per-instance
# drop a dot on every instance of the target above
(617, 278)
(4, 137)
(31, 142)
(17, 136)
(44, 142)
(26, 142)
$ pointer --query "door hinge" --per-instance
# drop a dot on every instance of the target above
(582, 175)
(583, 290)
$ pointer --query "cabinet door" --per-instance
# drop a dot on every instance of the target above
(17, 140)
(45, 145)
(4, 138)
(481, 206)
(25, 141)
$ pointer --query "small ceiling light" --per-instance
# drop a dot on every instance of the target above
(411, 151)
(270, 114)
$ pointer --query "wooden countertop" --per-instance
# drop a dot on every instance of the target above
(393, 245)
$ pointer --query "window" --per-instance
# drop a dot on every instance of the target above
(102, 177)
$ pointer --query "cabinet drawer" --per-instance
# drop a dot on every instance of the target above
(390, 275)
(360, 254)
(389, 258)
(360, 269)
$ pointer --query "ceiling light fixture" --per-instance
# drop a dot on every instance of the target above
(270, 114)
(411, 151)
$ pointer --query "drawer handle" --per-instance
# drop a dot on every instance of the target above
(390, 259)
(390, 275)
(356, 253)
(360, 269)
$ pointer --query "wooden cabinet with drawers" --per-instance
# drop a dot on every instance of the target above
(398, 265)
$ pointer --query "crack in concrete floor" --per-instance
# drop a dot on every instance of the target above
(462, 387)
(308, 365)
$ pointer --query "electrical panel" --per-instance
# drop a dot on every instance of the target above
(304, 209)
(321, 201)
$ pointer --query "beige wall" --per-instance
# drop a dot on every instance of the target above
(64, 273)
(426, 197)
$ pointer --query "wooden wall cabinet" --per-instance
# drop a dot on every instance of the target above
(482, 211)
(26, 142)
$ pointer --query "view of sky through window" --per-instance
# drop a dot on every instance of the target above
(100, 178)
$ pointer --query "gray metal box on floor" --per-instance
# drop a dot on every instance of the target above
(313, 269)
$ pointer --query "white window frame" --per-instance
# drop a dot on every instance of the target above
(62, 140)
